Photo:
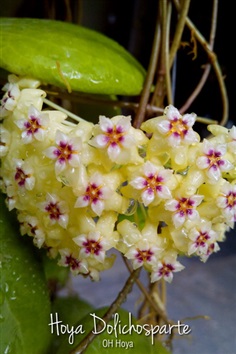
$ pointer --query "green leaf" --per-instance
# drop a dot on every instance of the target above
(68, 55)
(55, 275)
(105, 343)
(24, 298)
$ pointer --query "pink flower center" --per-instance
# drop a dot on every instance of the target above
(93, 193)
(53, 210)
(185, 206)
(166, 269)
(92, 246)
(64, 152)
(231, 200)
(153, 182)
(32, 126)
(178, 128)
(72, 262)
(214, 159)
(202, 239)
(20, 176)
(115, 136)
(144, 255)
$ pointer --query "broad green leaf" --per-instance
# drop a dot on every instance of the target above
(24, 298)
(105, 343)
(65, 54)
(56, 276)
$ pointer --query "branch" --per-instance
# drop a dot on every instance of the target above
(112, 309)
(149, 79)
(213, 59)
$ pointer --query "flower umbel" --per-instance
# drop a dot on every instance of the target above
(81, 190)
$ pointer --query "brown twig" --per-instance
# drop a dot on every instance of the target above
(212, 58)
(139, 118)
(158, 310)
(112, 309)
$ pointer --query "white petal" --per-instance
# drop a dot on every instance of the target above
(202, 162)
(74, 161)
(178, 267)
(29, 183)
(60, 166)
(98, 207)
(174, 140)
(155, 276)
(105, 124)
(191, 137)
(63, 220)
(164, 192)
(194, 215)
(178, 219)
(171, 205)
(222, 148)
(149, 169)
(39, 135)
(168, 277)
(82, 202)
(172, 112)
(221, 202)
(214, 173)
(128, 141)
(27, 138)
(148, 196)
(100, 257)
(197, 199)
(50, 152)
(61, 137)
(226, 166)
(100, 141)
(113, 151)
(138, 183)
(189, 119)
(79, 240)
(192, 248)
(163, 126)
(124, 124)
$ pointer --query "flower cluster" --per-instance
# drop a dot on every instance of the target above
(81, 190)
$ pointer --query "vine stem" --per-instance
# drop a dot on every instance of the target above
(139, 118)
(63, 110)
(112, 309)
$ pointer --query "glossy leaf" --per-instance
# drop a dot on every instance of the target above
(25, 305)
(68, 56)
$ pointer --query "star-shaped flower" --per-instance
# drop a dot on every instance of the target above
(153, 183)
(165, 269)
(9, 100)
(66, 152)
(34, 126)
(213, 161)
(177, 128)
(94, 194)
(184, 208)
(56, 210)
(114, 135)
